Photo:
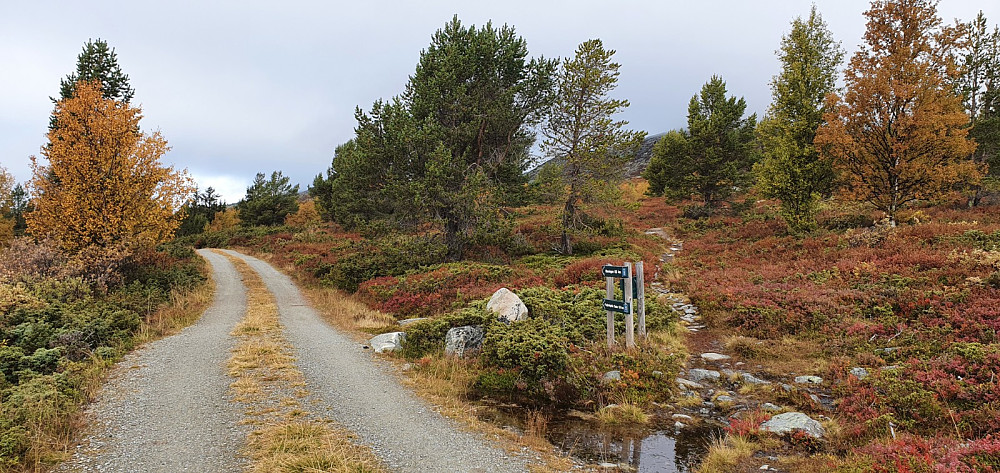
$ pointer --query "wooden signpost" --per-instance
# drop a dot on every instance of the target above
(633, 290)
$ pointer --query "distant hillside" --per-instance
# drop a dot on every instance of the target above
(634, 167)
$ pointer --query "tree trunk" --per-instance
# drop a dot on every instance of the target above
(569, 221)
(453, 238)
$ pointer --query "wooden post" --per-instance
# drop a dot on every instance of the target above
(641, 299)
(611, 315)
(629, 321)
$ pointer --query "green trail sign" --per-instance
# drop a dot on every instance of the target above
(615, 305)
(611, 271)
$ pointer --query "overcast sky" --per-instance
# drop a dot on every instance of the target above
(240, 87)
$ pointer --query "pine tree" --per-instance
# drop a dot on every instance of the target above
(714, 156)
(580, 132)
(268, 201)
(200, 211)
(791, 169)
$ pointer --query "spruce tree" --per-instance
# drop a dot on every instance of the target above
(791, 169)
(98, 62)
(268, 201)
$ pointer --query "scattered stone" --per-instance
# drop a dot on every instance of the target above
(889, 368)
(687, 384)
(698, 374)
(786, 387)
(888, 350)
(681, 417)
(690, 311)
(859, 372)
(406, 367)
(815, 399)
(657, 374)
(392, 341)
(406, 322)
(614, 375)
(607, 465)
(508, 307)
(725, 398)
(714, 356)
(462, 340)
(767, 406)
(679, 425)
(808, 380)
(751, 379)
(789, 422)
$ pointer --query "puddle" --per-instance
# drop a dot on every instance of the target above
(658, 449)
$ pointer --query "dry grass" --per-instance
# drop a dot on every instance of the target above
(345, 311)
(288, 437)
(726, 454)
(625, 413)
(184, 308)
(307, 447)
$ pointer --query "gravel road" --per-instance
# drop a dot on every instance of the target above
(165, 407)
(358, 391)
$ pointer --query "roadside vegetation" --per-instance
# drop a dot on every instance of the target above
(848, 233)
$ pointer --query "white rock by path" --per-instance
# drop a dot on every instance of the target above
(507, 306)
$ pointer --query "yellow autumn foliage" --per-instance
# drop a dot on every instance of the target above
(104, 185)
(6, 224)
(227, 219)
(307, 216)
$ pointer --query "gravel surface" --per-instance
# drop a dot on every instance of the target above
(358, 391)
(165, 407)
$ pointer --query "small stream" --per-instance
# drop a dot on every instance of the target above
(659, 448)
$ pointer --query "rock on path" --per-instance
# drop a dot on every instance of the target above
(165, 407)
(360, 393)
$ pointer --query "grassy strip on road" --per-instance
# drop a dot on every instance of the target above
(287, 438)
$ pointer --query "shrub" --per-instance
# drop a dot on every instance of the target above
(388, 256)
(535, 347)
(427, 336)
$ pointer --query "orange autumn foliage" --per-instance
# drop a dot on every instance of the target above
(306, 217)
(104, 185)
(226, 219)
(898, 134)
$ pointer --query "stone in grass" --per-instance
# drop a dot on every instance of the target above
(508, 307)
(392, 341)
(767, 406)
(808, 380)
(406, 322)
(686, 384)
(751, 379)
(789, 422)
(460, 341)
(714, 356)
(698, 374)
(859, 372)
(611, 376)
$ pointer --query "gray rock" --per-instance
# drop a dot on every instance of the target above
(767, 406)
(680, 417)
(793, 421)
(751, 379)
(714, 356)
(808, 380)
(688, 384)
(461, 340)
(656, 374)
(725, 398)
(507, 306)
(786, 387)
(698, 374)
(859, 372)
(406, 322)
(392, 341)
(614, 375)
(679, 425)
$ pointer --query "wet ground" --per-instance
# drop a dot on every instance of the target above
(657, 448)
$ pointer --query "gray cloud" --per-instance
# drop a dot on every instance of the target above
(239, 87)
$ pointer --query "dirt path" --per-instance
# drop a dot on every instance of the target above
(165, 407)
(359, 392)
